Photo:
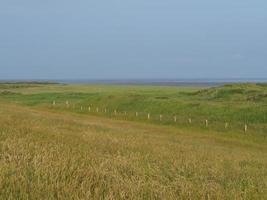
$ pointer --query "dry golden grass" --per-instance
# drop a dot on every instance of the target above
(53, 155)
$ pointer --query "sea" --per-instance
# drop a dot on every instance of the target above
(155, 82)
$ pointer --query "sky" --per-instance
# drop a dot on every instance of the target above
(126, 39)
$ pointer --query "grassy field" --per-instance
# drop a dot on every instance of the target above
(56, 152)
(237, 105)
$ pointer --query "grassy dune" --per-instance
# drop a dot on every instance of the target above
(57, 153)
(237, 104)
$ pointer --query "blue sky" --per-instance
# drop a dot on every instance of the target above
(120, 39)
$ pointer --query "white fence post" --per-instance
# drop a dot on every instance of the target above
(206, 123)
(226, 125)
(189, 120)
(246, 128)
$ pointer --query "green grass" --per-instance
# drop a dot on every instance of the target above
(56, 152)
(237, 104)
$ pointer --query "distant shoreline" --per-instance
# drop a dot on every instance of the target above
(154, 82)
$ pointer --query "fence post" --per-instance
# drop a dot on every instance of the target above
(189, 120)
(54, 103)
(67, 104)
(226, 125)
(246, 128)
(206, 123)
(115, 112)
(160, 117)
(175, 119)
(136, 114)
(97, 109)
(105, 110)
(148, 116)
(81, 107)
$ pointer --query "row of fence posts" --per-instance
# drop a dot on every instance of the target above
(226, 125)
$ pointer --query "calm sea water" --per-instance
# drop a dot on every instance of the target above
(166, 82)
(158, 82)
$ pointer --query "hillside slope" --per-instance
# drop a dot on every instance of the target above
(47, 154)
(236, 105)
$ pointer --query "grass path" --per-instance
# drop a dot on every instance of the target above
(57, 155)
